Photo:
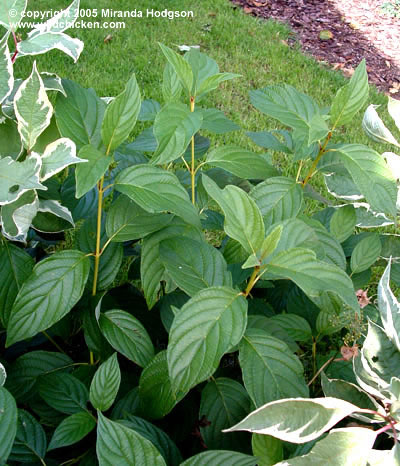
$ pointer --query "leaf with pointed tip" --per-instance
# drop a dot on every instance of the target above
(89, 173)
(194, 265)
(32, 108)
(58, 155)
(6, 69)
(268, 449)
(282, 372)
(18, 7)
(243, 220)
(375, 128)
(72, 429)
(297, 327)
(8, 422)
(61, 21)
(342, 222)
(117, 444)
(30, 442)
(38, 304)
(221, 458)
(365, 253)
(171, 85)
(16, 218)
(52, 217)
(206, 327)
(181, 67)
(212, 82)
(105, 384)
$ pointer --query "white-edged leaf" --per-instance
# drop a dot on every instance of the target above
(270, 370)
(367, 218)
(54, 287)
(127, 335)
(119, 445)
(221, 458)
(61, 21)
(72, 429)
(43, 42)
(3, 375)
(375, 128)
(32, 109)
(105, 384)
(90, 172)
(394, 110)
(241, 162)
(11, 21)
(296, 420)
(54, 208)
(58, 155)
(8, 422)
(6, 69)
(30, 442)
(365, 253)
(206, 327)
(393, 161)
(16, 218)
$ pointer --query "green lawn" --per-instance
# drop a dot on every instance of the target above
(239, 43)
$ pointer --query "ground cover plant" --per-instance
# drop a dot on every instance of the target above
(162, 294)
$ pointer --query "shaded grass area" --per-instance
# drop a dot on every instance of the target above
(254, 48)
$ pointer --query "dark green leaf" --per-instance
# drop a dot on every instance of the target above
(72, 429)
(105, 384)
(8, 423)
(30, 442)
(87, 174)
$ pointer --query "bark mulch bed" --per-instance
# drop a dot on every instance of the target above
(359, 29)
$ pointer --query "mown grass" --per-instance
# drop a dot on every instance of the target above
(256, 49)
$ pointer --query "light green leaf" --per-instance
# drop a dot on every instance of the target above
(61, 21)
(155, 391)
(342, 222)
(16, 218)
(194, 265)
(16, 178)
(375, 128)
(89, 173)
(11, 22)
(127, 221)
(278, 199)
(297, 327)
(58, 155)
(223, 402)
(240, 162)
(213, 82)
(351, 97)
(371, 175)
(384, 457)
(268, 247)
(216, 122)
(72, 429)
(296, 420)
(221, 458)
(117, 444)
(174, 127)
(205, 328)
(365, 253)
(43, 42)
(313, 276)
(63, 392)
(268, 449)
(270, 370)
(171, 86)
(181, 67)
(6, 69)
(127, 335)
(8, 422)
(11, 145)
(243, 220)
(32, 108)
(79, 115)
(157, 190)
(333, 250)
(121, 115)
(38, 305)
(105, 384)
(389, 308)
(30, 442)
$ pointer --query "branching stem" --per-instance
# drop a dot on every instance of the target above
(317, 159)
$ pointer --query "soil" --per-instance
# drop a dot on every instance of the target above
(355, 29)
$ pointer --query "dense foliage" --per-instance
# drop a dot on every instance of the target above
(159, 296)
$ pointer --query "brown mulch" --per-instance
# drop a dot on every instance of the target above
(359, 29)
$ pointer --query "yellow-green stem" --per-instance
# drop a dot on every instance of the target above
(192, 167)
(318, 158)
(98, 236)
(252, 281)
(54, 342)
(314, 357)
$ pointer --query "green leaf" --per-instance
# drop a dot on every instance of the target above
(121, 115)
(268, 140)
(342, 222)
(157, 437)
(155, 391)
(18, 7)
(212, 82)
(52, 217)
(79, 115)
(8, 423)
(351, 97)
(216, 122)
(30, 442)
(389, 308)
(171, 86)
(157, 190)
(16, 267)
(313, 276)
(63, 392)
(181, 67)
(371, 175)
(148, 110)
(11, 145)
(38, 305)
(347, 447)
(126, 406)
(117, 444)
(32, 109)
(223, 402)
(241, 162)
(270, 370)
(278, 199)
(6, 68)
(365, 253)
(297, 327)
(375, 128)
(297, 420)
(243, 220)
(89, 173)
(206, 327)
(174, 127)
(194, 265)
(127, 221)
(221, 458)
(333, 250)
(268, 449)
(127, 335)
(105, 384)
(72, 429)
(58, 155)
